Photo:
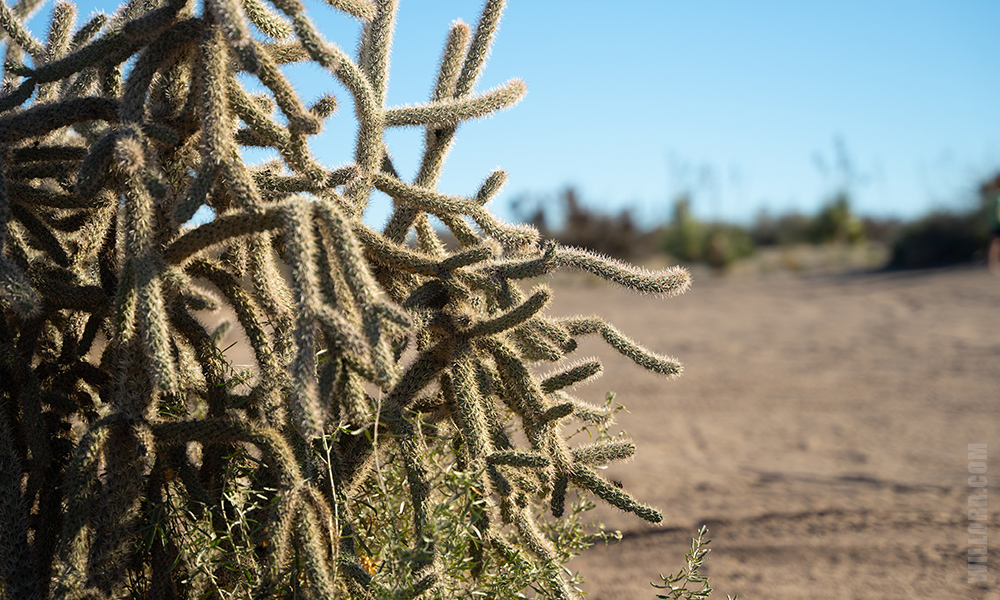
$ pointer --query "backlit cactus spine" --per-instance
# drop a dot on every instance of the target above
(117, 457)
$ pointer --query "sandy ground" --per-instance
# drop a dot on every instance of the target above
(820, 430)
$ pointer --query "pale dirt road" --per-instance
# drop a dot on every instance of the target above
(820, 429)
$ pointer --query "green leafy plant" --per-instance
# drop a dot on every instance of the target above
(677, 585)
(717, 244)
(836, 223)
(393, 438)
(684, 237)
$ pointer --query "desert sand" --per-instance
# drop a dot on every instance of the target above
(820, 430)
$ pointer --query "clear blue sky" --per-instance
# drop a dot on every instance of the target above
(739, 102)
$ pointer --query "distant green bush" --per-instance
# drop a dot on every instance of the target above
(718, 245)
(725, 244)
(836, 223)
(791, 228)
(940, 239)
(684, 238)
(616, 235)
(947, 238)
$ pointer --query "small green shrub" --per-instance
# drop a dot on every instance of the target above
(684, 237)
(946, 238)
(725, 244)
(836, 223)
(676, 585)
(787, 229)
(940, 239)
(717, 244)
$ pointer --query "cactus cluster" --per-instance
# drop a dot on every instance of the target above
(125, 439)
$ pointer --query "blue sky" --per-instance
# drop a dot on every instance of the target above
(738, 102)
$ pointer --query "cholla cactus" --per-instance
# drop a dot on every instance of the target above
(127, 449)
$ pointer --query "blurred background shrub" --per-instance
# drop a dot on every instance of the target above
(938, 239)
